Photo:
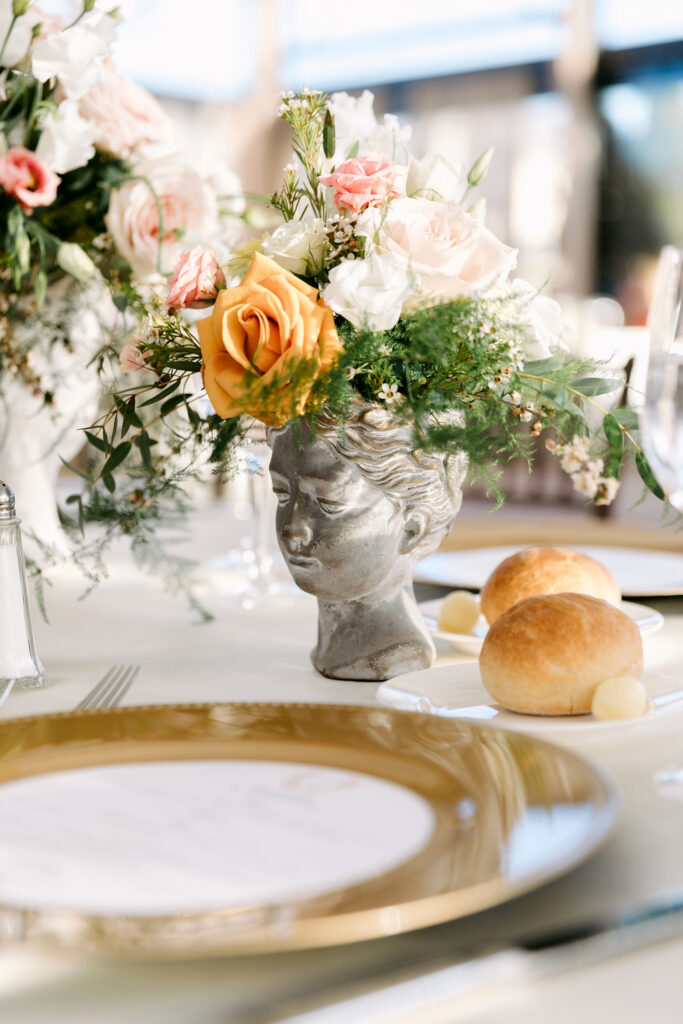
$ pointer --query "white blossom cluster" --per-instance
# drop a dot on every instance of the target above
(586, 473)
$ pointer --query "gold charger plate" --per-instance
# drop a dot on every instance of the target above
(509, 813)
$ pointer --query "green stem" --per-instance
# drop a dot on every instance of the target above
(5, 41)
(32, 113)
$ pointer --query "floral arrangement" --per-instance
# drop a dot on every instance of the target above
(381, 283)
(91, 188)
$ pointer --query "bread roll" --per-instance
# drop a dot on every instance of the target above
(545, 571)
(548, 654)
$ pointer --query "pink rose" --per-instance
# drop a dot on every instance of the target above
(126, 118)
(449, 252)
(27, 178)
(364, 181)
(187, 204)
(132, 359)
(195, 280)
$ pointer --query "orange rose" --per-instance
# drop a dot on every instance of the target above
(256, 335)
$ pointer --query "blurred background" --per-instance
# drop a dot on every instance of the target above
(582, 101)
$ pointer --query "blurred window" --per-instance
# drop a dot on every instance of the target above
(190, 49)
(370, 43)
(621, 24)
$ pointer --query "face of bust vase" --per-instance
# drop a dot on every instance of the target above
(340, 534)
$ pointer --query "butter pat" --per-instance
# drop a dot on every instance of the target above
(459, 612)
(620, 697)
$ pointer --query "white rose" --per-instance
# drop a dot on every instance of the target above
(188, 208)
(76, 55)
(67, 141)
(370, 292)
(435, 178)
(543, 317)
(298, 246)
(355, 122)
(449, 252)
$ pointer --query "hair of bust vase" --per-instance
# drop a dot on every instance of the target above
(414, 480)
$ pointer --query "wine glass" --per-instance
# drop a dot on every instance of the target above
(661, 418)
(253, 572)
(661, 415)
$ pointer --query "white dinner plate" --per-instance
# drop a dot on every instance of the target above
(456, 691)
(639, 572)
(647, 619)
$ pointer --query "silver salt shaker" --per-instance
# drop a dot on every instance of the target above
(19, 663)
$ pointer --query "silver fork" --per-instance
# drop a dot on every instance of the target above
(111, 689)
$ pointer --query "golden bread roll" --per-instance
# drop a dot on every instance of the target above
(548, 654)
(545, 571)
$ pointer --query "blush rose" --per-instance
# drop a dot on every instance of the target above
(133, 216)
(363, 181)
(126, 118)
(449, 252)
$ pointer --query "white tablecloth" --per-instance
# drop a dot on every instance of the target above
(262, 655)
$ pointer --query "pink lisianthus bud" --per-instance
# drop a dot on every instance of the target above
(27, 178)
(363, 181)
(132, 359)
(195, 280)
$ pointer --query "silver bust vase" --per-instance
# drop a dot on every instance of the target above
(357, 507)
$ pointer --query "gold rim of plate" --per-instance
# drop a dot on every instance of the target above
(507, 777)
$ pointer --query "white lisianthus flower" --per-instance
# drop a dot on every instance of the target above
(450, 253)
(298, 246)
(76, 55)
(73, 260)
(19, 39)
(67, 140)
(435, 178)
(543, 317)
(355, 122)
(370, 293)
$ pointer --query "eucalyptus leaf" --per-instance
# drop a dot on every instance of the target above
(171, 403)
(627, 417)
(75, 469)
(118, 455)
(538, 367)
(613, 433)
(96, 442)
(162, 394)
(592, 386)
(647, 476)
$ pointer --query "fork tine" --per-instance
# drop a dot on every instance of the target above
(111, 689)
(94, 694)
(124, 684)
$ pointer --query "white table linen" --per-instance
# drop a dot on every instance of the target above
(262, 655)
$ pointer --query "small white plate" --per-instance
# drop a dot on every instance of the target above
(647, 620)
(639, 572)
(456, 691)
